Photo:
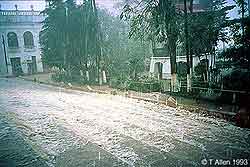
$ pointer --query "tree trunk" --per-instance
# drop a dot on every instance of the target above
(207, 69)
(100, 77)
(87, 75)
(174, 87)
(104, 77)
(243, 28)
(87, 70)
(172, 42)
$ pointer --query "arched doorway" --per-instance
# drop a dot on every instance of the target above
(158, 69)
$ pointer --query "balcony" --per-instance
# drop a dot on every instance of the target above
(29, 48)
(20, 13)
(14, 49)
(21, 16)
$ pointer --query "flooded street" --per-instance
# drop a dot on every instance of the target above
(48, 126)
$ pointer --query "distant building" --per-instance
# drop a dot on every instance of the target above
(198, 5)
(160, 61)
(19, 47)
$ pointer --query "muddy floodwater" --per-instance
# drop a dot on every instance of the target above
(48, 126)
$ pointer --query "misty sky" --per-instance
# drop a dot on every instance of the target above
(40, 4)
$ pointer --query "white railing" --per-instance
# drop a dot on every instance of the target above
(157, 58)
(20, 13)
(22, 16)
(14, 49)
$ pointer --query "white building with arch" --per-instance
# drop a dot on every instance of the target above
(160, 65)
(160, 61)
(20, 51)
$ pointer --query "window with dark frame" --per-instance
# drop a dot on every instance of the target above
(12, 40)
(28, 40)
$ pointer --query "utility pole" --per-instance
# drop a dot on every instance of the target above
(187, 47)
(66, 43)
(5, 55)
(98, 45)
(191, 43)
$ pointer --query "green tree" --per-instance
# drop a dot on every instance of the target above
(52, 35)
(238, 55)
(205, 28)
(125, 58)
(156, 20)
(71, 38)
(170, 23)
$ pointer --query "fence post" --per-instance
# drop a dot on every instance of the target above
(170, 88)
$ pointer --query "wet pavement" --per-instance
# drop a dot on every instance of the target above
(47, 126)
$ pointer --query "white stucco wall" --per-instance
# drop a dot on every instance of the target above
(2, 59)
(166, 69)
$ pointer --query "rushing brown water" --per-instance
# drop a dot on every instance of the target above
(57, 127)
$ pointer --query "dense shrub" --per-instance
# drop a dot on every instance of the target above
(198, 83)
(120, 83)
(60, 76)
(63, 76)
(144, 86)
(237, 80)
